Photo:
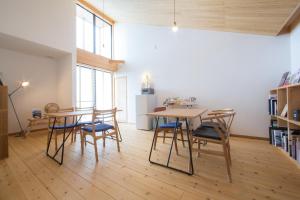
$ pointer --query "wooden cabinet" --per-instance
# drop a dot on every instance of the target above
(3, 122)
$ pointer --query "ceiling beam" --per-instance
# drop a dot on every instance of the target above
(98, 61)
(288, 23)
(95, 11)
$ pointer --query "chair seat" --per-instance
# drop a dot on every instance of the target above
(206, 132)
(170, 125)
(210, 124)
(88, 123)
(62, 126)
(98, 128)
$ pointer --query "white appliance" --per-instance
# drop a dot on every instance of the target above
(144, 104)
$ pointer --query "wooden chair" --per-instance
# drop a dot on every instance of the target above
(216, 131)
(207, 122)
(168, 127)
(107, 127)
(51, 108)
(82, 122)
(59, 127)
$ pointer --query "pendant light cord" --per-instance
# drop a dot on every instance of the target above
(174, 11)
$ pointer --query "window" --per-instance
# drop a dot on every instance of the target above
(103, 38)
(92, 33)
(93, 88)
(84, 29)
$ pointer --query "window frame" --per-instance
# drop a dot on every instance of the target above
(95, 88)
(94, 30)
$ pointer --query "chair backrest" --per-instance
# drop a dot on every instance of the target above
(158, 109)
(105, 116)
(85, 117)
(224, 121)
(84, 108)
(227, 121)
(51, 108)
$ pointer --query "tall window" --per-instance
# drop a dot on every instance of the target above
(93, 88)
(92, 33)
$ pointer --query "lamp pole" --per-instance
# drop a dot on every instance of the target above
(21, 133)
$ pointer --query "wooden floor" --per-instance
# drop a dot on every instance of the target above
(259, 172)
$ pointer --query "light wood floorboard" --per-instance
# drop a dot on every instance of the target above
(259, 171)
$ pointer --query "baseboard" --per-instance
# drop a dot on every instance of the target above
(249, 137)
(32, 131)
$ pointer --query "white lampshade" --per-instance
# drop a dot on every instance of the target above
(25, 83)
(175, 27)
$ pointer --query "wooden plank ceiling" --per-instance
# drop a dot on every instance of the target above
(247, 16)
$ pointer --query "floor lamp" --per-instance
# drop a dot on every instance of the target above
(22, 85)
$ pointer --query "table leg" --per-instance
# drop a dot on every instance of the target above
(50, 138)
(174, 138)
(167, 165)
(65, 138)
(190, 147)
(155, 132)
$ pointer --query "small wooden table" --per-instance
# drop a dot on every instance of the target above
(64, 115)
(186, 114)
(36, 122)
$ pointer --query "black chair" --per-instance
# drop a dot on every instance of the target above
(216, 129)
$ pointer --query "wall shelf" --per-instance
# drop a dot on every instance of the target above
(287, 95)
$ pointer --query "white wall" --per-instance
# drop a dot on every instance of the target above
(40, 72)
(220, 69)
(295, 48)
(42, 24)
(48, 22)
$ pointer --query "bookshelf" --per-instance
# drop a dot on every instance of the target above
(3, 122)
(287, 95)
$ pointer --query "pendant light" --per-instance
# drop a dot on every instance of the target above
(103, 24)
(175, 27)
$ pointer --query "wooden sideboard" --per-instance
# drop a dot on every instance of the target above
(3, 122)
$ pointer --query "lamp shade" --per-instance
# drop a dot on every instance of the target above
(25, 83)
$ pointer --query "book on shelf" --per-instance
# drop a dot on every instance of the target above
(295, 145)
(272, 105)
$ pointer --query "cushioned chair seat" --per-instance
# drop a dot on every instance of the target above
(170, 125)
(88, 122)
(62, 126)
(206, 132)
(99, 127)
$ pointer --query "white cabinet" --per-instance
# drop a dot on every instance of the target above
(144, 105)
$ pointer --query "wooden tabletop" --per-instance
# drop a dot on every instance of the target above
(69, 114)
(180, 112)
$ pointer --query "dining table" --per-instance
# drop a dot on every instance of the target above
(76, 116)
(185, 114)
(63, 115)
